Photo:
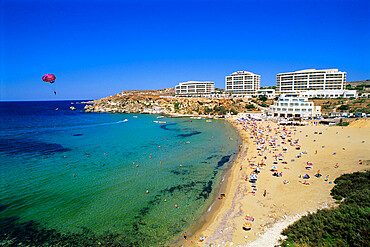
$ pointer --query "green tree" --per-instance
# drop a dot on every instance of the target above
(233, 111)
(343, 107)
(262, 98)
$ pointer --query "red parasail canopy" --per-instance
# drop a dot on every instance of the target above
(49, 78)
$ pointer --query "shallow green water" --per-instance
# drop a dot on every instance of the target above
(75, 173)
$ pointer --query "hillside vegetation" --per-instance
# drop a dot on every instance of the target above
(343, 105)
(148, 103)
(163, 102)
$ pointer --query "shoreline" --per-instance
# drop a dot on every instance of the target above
(284, 203)
(222, 188)
(226, 188)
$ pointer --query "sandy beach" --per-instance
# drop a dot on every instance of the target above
(281, 194)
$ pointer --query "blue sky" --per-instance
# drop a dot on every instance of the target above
(99, 48)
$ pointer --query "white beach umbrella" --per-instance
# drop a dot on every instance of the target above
(254, 176)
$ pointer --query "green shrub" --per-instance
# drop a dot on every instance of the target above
(343, 124)
(207, 110)
(233, 111)
(343, 107)
(250, 106)
(262, 97)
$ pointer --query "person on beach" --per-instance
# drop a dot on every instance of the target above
(185, 236)
(264, 193)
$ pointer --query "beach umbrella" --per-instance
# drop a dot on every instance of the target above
(249, 218)
(247, 225)
(274, 167)
(254, 176)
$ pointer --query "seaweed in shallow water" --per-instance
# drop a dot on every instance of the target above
(190, 134)
(223, 160)
(15, 146)
(14, 233)
(165, 127)
(207, 189)
(182, 172)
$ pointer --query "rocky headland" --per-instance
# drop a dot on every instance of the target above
(163, 102)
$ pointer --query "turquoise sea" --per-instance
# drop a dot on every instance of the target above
(75, 178)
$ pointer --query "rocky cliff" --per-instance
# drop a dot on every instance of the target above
(152, 103)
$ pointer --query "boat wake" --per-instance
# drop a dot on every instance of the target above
(49, 129)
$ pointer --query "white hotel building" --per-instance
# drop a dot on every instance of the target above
(293, 105)
(242, 84)
(195, 88)
(332, 94)
(310, 79)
